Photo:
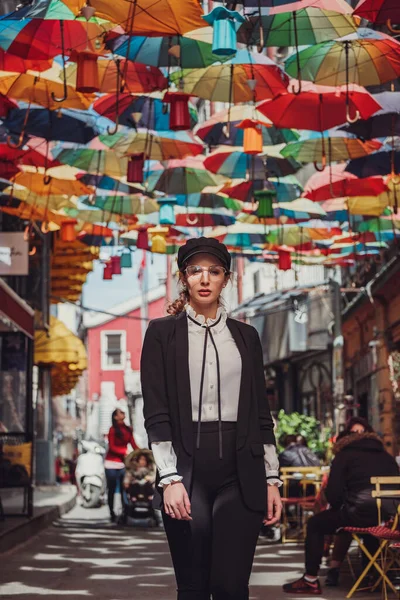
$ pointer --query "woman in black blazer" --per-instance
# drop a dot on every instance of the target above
(210, 430)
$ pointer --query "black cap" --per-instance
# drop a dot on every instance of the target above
(203, 245)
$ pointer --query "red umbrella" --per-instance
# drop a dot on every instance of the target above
(6, 104)
(16, 64)
(335, 182)
(319, 107)
(380, 11)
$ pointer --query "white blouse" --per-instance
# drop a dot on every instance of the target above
(230, 369)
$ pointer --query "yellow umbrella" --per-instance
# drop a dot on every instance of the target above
(35, 182)
(59, 345)
(51, 202)
(35, 213)
(368, 205)
(38, 89)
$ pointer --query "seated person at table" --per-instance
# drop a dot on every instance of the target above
(297, 454)
(358, 457)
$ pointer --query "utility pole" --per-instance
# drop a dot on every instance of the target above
(337, 356)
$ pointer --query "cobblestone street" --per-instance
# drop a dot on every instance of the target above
(81, 555)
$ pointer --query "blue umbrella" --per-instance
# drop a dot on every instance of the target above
(109, 184)
(379, 163)
(385, 122)
(62, 125)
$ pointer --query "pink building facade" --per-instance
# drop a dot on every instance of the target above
(114, 342)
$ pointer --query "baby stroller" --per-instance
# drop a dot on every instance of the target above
(138, 489)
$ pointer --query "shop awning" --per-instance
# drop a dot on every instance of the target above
(59, 346)
(14, 311)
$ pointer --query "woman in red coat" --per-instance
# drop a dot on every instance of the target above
(119, 436)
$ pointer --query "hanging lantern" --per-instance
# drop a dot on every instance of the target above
(126, 260)
(68, 232)
(143, 239)
(158, 244)
(252, 139)
(179, 115)
(87, 73)
(265, 199)
(225, 24)
(167, 212)
(107, 273)
(135, 168)
(116, 265)
(284, 260)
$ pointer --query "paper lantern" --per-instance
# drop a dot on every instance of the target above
(143, 240)
(284, 260)
(107, 273)
(167, 213)
(265, 199)
(135, 168)
(225, 24)
(179, 115)
(68, 232)
(87, 73)
(158, 244)
(126, 260)
(252, 139)
(116, 265)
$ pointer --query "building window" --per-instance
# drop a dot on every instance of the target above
(113, 350)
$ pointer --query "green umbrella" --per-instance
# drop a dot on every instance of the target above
(124, 205)
(331, 149)
(187, 176)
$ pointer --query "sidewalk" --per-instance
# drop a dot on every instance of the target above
(50, 502)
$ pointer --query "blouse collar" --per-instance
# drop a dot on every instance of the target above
(217, 327)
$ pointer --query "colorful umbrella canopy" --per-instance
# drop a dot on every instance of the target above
(65, 125)
(302, 208)
(325, 107)
(286, 188)
(201, 218)
(366, 58)
(123, 205)
(49, 9)
(10, 62)
(379, 11)
(215, 131)
(138, 111)
(104, 182)
(386, 122)
(233, 163)
(208, 199)
(41, 90)
(247, 77)
(171, 51)
(93, 161)
(331, 149)
(136, 77)
(185, 176)
(37, 39)
(300, 27)
(380, 163)
(163, 146)
(36, 183)
(336, 182)
(152, 18)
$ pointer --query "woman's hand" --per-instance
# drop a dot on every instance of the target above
(274, 508)
(176, 502)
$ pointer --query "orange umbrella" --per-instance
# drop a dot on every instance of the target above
(136, 77)
(36, 183)
(152, 17)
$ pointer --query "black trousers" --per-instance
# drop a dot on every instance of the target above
(213, 554)
(326, 523)
(112, 478)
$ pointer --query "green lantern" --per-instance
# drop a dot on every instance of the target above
(126, 260)
(167, 213)
(265, 199)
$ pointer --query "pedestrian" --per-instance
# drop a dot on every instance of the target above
(359, 455)
(210, 429)
(119, 436)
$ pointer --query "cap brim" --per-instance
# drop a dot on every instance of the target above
(207, 251)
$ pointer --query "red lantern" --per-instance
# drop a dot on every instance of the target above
(87, 73)
(116, 265)
(135, 168)
(284, 260)
(107, 273)
(179, 115)
(68, 232)
(143, 240)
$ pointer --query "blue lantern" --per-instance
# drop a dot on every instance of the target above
(225, 24)
(167, 213)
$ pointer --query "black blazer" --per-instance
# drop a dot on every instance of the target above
(167, 402)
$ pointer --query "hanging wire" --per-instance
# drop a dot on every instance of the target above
(65, 95)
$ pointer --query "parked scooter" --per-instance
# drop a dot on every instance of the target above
(90, 474)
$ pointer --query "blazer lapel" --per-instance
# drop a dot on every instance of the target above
(245, 382)
(183, 382)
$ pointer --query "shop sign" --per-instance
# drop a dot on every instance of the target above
(14, 259)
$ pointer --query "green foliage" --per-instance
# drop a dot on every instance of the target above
(297, 424)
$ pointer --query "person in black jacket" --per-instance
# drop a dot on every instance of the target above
(210, 429)
(358, 457)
